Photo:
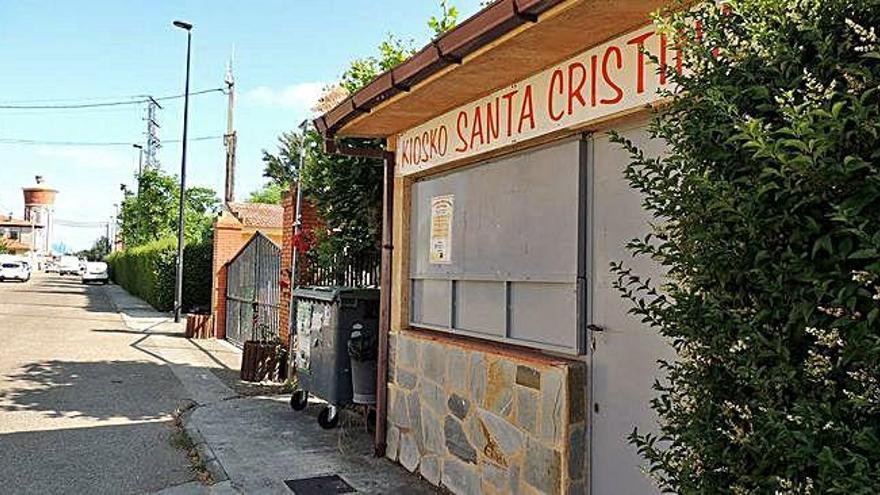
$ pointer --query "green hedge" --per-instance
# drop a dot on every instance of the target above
(148, 272)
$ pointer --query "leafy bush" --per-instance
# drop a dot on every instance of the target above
(768, 211)
(149, 272)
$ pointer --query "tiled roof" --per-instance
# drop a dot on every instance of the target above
(13, 222)
(258, 215)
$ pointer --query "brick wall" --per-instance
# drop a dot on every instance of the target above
(227, 242)
(310, 222)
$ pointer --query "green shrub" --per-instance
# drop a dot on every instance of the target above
(768, 224)
(149, 271)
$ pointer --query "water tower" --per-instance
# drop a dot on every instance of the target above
(39, 209)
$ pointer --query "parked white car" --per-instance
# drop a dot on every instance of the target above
(96, 271)
(69, 265)
(14, 270)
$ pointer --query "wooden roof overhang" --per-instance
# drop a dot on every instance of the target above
(505, 42)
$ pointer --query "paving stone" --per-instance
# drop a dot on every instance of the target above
(429, 468)
(577, 393)
(432, 395)
(460, 478)
(408, 350)
(528, 377)
(405, 379)
(543, 471)
(432, 432)
(434, 361)
(552, 404)
(392, 442)
(458, 405)
(409, 451)
(499, 387)
(457, 370)
(577, 452)
(527, 403)
(457, 442)
(477, 377)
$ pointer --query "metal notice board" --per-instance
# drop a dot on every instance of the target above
(497, 249)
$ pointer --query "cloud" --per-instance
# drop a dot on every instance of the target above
(86, 157)
(300, 96)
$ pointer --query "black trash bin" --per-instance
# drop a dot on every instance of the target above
(325, 317)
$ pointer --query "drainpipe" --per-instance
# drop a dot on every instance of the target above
(331, 147)
(385, 305)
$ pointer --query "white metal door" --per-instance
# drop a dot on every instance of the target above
(625, 351)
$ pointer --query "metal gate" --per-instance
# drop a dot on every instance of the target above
(253, 292)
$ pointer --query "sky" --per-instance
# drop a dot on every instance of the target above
(70, 52)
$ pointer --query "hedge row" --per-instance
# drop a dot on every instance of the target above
(148, 272)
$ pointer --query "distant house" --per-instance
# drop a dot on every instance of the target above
(18, 234)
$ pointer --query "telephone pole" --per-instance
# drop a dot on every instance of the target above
(230, 136)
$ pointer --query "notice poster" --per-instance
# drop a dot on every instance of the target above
(441, 229)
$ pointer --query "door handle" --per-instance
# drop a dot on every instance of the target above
(595, 328)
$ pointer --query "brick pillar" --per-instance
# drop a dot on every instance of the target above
(227, 242)
(288, 201)
(310, 222)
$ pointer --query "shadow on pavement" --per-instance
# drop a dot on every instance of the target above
(136, 390)
(131, 458)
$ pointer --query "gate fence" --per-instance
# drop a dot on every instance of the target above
(253, 292)
(361, 270)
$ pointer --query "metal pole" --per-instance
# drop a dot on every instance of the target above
(297, 230)
(178, 294)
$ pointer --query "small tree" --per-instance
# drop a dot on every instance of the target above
(768, 224)
(4, 249)
(152, 214)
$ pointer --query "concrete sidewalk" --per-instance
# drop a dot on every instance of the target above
(255, 444)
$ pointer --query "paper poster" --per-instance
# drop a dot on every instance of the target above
(441, 229)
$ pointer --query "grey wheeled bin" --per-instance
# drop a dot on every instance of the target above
(324, 320)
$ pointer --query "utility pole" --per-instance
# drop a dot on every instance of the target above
(230, 136)
(153, 143)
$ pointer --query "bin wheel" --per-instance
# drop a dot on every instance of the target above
(299, 400)
(328, 417)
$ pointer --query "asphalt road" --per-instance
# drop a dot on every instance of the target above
(82, 409)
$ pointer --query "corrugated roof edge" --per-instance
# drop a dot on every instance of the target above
(487, 25)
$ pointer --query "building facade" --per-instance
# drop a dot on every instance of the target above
(514, 366)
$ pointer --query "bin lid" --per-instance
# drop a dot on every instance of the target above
(330, 294)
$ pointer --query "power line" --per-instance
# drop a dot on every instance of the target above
(141, 99)
(35, 142)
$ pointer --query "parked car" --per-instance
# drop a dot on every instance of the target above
(96, 271)
(69, 265)
(14, 270)
(51, 268)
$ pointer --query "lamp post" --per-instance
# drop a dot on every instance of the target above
(178, 293)
(140, 166)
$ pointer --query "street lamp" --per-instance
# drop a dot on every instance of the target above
(178, 293)
(140, 165)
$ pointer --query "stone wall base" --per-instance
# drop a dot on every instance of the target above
(477, 421)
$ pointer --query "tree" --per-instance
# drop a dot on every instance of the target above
(280, 167)
(767, 211)
(269, 194)
(4, 249)
(99, 250)
(152, 214)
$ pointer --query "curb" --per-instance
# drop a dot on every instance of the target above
(206, 453)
